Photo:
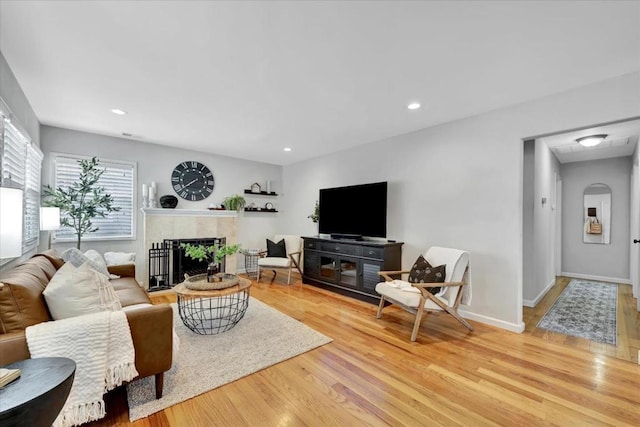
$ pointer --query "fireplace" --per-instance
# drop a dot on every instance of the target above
(164, 231)
(168, 262)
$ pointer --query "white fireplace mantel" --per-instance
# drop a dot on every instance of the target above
(161, 224)
(189, 212)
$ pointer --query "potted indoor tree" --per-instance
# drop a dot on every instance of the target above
(83, 201)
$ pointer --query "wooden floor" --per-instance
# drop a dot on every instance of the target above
(628, 321)
(371, 374)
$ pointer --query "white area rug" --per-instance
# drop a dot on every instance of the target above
(262, 338)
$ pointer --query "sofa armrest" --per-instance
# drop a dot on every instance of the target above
(123, 270)
(151, 330)
(152, 333)
(13, 347)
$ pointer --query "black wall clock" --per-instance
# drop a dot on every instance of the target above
(192, 181)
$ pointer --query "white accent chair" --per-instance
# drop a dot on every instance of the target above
(416, 299)
(293, 246)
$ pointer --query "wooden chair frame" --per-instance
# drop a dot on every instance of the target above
(294, 263)
(424, 295)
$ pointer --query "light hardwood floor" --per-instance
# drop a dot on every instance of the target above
(371, 374)
(628, 321)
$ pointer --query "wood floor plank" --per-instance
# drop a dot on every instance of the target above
(372, 374)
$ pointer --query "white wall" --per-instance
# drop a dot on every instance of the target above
(542, 268)
(634, 226)
(529, 186)
(601, 261)
(14, 97)
(460, 185)
(155, 163)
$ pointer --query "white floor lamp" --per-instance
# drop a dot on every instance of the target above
(10, 222)
(49, 220)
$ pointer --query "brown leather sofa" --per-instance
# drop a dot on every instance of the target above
(22, 304)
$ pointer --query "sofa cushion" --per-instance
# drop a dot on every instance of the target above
(130, 292)
(76, 291)
(119, 258)
(77, 258)
(21, 300)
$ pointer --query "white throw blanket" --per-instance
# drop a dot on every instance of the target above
(101, 346)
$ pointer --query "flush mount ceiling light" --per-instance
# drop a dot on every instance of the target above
(413, 106)
(118, 112)
(287, 149)
(591, 140)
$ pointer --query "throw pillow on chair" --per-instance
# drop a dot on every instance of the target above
(423, 272)
(276, 250)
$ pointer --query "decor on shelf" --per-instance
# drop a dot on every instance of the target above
(149, 194)
(168, 201)
(315, 216)
(234, 203)
(213, 254)
(192, 181)
(255, 188)
(82, 201)
(11, 222)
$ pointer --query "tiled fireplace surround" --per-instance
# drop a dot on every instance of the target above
(160, 224)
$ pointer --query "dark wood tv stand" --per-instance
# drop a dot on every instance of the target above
(349, 267)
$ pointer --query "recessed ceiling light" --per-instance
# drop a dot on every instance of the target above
(591, 140)
(413, 106)
(118, 112)
(287, 149)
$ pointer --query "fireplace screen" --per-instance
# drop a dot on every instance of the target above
(168, 263)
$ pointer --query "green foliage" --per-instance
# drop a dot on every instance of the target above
(234, 203)
(203, 253)
(315, 216)
(82, 201)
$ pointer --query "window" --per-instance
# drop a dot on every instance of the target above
(118, 180)
(21, 166)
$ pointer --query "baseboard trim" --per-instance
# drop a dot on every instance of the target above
(597, 278)
(532, 303)
(513, 327)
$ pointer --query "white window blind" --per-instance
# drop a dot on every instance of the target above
(21, 168)
(31, 225)
(118, 181)
(14, 156)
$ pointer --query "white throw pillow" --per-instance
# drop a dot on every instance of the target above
(76, 291)
(119, 258)
(77, 258)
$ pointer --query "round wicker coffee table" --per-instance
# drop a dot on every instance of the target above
(209, 312)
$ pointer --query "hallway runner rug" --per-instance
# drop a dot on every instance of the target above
(585, 309)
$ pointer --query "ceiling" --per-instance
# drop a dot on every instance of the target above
(246, 79)
(621, 141)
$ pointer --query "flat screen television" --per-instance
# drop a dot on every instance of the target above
(354, 211)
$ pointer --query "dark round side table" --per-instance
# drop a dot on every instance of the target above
(36, 398)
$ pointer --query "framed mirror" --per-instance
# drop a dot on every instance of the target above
(597, 214)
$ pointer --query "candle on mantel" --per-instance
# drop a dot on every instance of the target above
(145, 191)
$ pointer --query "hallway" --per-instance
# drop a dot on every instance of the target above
(628, 324)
